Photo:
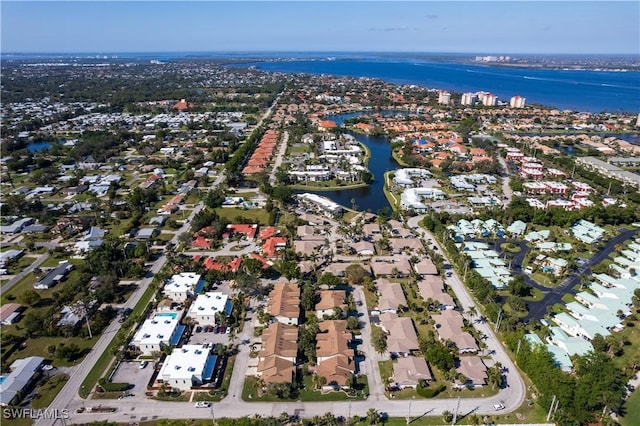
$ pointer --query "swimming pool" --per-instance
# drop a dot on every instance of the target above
(173, 315)
(2, 379)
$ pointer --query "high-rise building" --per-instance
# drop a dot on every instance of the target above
(517, 102)
(444, 98)
(468, 99)
(489, 100)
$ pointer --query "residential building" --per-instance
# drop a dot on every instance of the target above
(329, 301)
(277, 359)
(54, 276)
(449, 325)
(335, 359)
(517, 102)
(208, 307)
(188, 367)
(473, 369)
(284, 303)
(408, 371)
(182, 286)
(390, 295)
(17, 384)
(401, 334)
(157, 332)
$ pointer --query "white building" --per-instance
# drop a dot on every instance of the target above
(488, 99)
(411, 199)
(326, 205)
(203, 310)
(186, 367)
(156, 333)
(404, 177)
(444, 98)
(517, 102)
(182, 286)
(469, 99)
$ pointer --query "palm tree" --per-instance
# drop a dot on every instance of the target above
(447, 416)
(373, 416)
(472, 311)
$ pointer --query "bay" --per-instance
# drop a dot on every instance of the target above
(578, 90)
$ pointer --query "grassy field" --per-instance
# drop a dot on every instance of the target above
(631, 410)
(49, 390)
(259, 216)
(308, 394)
(250, 392)
(298, 148)
(105, 359)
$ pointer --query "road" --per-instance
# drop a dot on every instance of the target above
(506, 189)
(279, 157)
(538, 310)
(13, 281)
(232, 406)
(514, 395)
(68, 396)
(370, 365)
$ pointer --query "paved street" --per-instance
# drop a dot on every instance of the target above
(371, 367)
(68, 396)
(233, 406)
(16, 279)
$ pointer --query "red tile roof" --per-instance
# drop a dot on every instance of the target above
(270, 247)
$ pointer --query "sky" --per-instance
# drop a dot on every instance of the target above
(508, 27)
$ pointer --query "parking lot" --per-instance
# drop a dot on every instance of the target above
(130, 372)
(203, 337)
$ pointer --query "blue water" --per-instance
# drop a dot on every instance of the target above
(593, 91)
(2, 379)
(173, 315)
(370, 198)
(34, 147)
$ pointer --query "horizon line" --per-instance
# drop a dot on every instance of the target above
(308, 51)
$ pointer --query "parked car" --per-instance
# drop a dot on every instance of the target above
(203, 404)
(228, 330)
(498, 407)
(143, 364)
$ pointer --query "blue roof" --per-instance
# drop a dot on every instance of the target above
(209, 367)
(175, 339)
(200, 286)
(228, 307)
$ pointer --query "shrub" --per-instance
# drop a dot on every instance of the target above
(113, 387)
(430, 392)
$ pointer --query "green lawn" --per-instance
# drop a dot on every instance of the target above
(308, 394)
(38, 347)
(250, 392)
(543, 279)
(631, 410)
(259, 216)
(49, 390)
(386, 370)
(298, 148)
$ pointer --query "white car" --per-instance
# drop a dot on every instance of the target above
(498, 407)
(203, 404)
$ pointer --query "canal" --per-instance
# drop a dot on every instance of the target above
(370, 198)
